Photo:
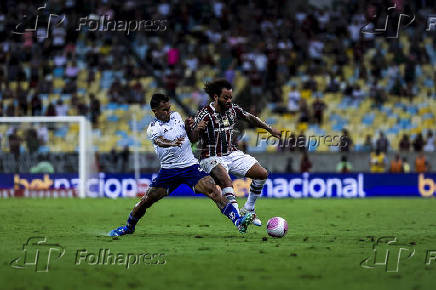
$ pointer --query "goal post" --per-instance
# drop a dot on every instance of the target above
(86, 160)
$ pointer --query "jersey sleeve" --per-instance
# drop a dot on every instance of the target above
(202, 115)
(153, 131)
(240, 113)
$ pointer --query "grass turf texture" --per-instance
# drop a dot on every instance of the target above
(326, 242)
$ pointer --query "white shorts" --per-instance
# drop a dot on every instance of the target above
(236, 163)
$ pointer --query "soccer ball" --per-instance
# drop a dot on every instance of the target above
(277, 227)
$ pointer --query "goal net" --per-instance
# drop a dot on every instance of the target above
(31, 146)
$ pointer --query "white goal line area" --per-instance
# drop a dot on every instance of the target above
(86, 150)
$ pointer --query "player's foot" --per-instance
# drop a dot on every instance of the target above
(256, 221)
(121, 231)
(244, 221)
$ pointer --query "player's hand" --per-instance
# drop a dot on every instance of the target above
(202, 125)
(179, 141)
(189, 122)
(276, 133)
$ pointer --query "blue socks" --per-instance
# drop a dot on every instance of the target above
(131, 221)
(231, 212)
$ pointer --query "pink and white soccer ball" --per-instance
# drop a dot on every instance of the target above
(277, 227)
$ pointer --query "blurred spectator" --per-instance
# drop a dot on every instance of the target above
(255, 84)
(60, 108)
(36, 105)
(377, 161)
(22, 102)
(294, 98)
(304, 111)
(397, 165)
(318, 108)
(171, 80)
(382, 143)
(344, 166)
(32, 142)
(82, 108)
(346, 141)
(10, 110)
(406, 165)
(305, 164)
(51, 111)
(418, 143)
(95, 109)
(404, 143)
(42, 133)
(72, 70)
(316, 48)
(421, 164)
(138, 95)
(429, 142)
(367, 144)
(290, 165)
(14, 143)
(125, 154)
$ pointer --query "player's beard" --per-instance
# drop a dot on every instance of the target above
(224, 105)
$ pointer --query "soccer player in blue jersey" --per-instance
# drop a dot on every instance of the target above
(178, 166)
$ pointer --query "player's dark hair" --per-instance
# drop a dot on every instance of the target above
(215, 87)
(156, 99)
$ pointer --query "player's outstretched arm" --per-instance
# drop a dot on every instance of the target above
(165, 143)
(257, 122)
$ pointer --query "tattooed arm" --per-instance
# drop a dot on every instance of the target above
(258, 123)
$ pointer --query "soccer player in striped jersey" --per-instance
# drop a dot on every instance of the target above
(178, 166)
(214, 126)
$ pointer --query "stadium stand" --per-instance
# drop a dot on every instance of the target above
(309, 69)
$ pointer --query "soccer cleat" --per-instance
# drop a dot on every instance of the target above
(256, 221)
(121, 231)
(244, 221)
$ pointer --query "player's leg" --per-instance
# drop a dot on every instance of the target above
(207, 186)
(244, 165)
(222, 178)
(258, 176)
(152, 195)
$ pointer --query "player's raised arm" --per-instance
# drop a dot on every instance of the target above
(257, 122)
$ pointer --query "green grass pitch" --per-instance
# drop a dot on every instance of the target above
(326, 243)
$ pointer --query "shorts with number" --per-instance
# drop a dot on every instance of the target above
(173, 177)
(237, 163)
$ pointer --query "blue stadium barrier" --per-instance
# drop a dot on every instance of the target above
(319, 185)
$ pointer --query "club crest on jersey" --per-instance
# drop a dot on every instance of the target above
(226, 122)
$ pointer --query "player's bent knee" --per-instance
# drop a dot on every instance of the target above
(263, 174)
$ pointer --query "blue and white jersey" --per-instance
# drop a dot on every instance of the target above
(172, 157)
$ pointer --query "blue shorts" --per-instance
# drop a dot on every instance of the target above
(174, 177)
